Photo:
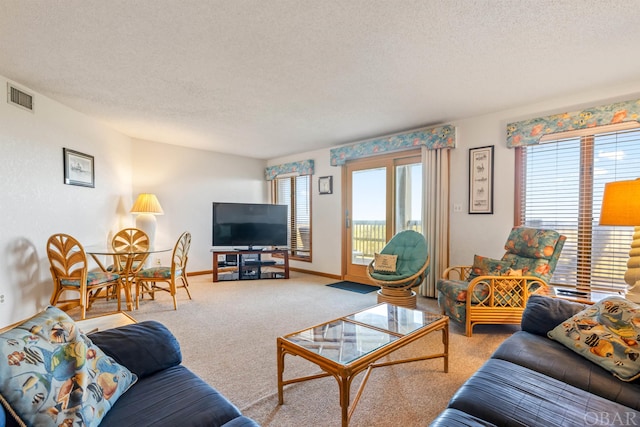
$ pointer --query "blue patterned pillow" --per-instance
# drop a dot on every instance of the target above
(51, 374)
(606, 333)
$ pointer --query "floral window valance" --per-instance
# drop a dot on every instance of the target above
(529, 132)
(304, 167)
(432, 138)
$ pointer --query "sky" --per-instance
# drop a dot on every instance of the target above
(369, 190)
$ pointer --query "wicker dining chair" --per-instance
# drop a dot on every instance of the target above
(69, 270)
(149, 280)
(131, 245)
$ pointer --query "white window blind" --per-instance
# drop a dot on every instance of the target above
(295, 193)
(561, 186)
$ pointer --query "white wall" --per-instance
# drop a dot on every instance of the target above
(35, 203)
(187, 181)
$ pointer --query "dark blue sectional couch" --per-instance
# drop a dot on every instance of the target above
(166, 393)
(532, 380)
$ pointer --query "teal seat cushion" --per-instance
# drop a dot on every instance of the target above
(411, 248)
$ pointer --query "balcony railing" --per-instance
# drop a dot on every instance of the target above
(369, 237)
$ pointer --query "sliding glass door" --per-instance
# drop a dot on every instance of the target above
(383, 197)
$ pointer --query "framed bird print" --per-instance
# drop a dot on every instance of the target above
(481, 180)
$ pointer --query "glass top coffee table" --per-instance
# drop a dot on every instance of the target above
(349, 345)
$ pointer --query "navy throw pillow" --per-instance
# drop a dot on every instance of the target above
(542, 313)
(144, 348)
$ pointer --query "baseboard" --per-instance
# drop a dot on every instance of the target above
(199, 273)
(317, 273)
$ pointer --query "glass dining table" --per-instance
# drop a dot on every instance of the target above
(125, 263)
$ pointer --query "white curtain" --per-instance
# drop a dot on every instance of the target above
(435, 215)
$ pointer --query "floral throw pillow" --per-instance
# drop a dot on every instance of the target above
(607, 334)
(532, 242)
(51, 374)
(484, 266)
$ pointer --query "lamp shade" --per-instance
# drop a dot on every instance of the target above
(621, 203)
(147, 203)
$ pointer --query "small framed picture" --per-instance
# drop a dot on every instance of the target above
(78, 168)
(481, 180)
(325, 184)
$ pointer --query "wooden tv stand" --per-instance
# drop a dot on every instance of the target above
(249, 267)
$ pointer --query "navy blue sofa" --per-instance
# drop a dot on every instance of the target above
(532, 380)
(166, 393)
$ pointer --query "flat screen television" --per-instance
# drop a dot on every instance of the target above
(241, 225)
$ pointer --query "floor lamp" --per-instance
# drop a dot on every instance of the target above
(147, 207)
(621, 206)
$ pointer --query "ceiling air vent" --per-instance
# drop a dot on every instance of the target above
(19, 97)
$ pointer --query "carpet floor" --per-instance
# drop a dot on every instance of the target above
(228, 332)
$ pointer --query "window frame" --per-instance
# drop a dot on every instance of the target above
(292, 203)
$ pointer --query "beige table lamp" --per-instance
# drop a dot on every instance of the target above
(147, 207)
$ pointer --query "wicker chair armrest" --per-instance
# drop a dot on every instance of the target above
(501, 286)
(370, 267)
(457, 272)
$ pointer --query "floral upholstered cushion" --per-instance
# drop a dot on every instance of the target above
(538, 267)
(456, 310)
(484, 266)
(532, 242)
(607, 334)
(512, 272)
(51, 374)
(456, 290)
(157, 272)
(93, 278)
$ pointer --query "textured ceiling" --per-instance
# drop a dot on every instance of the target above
(265, 78)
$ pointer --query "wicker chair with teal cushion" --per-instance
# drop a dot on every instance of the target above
(70, 273)
(400, 266)
(149, 280)
(499, 289)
